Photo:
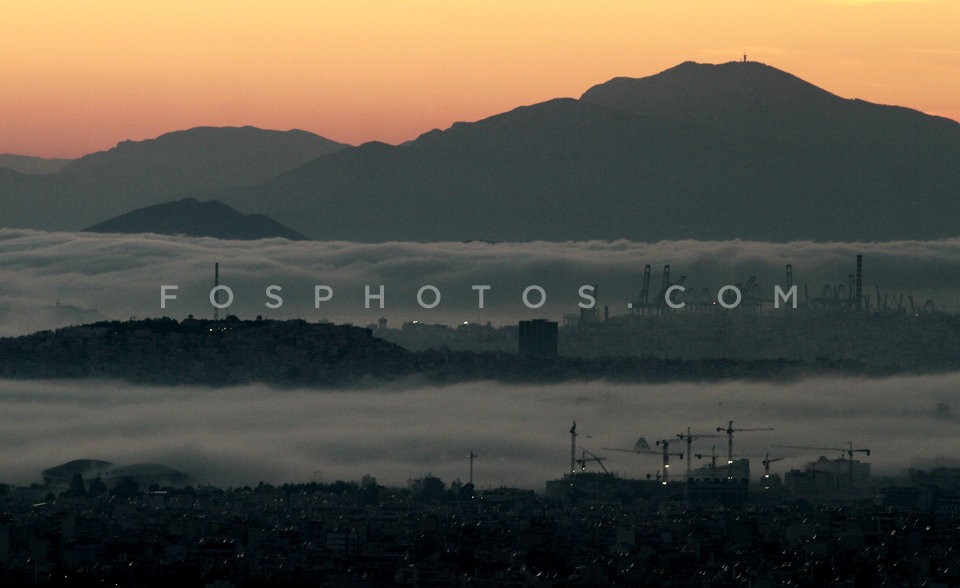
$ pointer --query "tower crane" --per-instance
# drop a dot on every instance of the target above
(573, 448)
(729, 430)
(665, 443)
(586, 456)
(766, 461)
(766, 469)
(712, 456)
(689, 437)
(641, 446)
(766, 464)
(849, 450)
(472, 457)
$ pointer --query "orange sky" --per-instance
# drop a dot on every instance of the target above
(81, 75)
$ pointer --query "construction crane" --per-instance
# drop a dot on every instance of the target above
(712, 456)
(573, 448)
(849, 450)
(689, 436)
(766, 470)
(729, 430)
(665, 443)
(766, 464)
(766, 461)
(642, 447)
(592, 457)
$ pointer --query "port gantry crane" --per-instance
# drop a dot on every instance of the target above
(689, 437)
(849, 450)
(642, 447)
(640, 306)
(729, 430)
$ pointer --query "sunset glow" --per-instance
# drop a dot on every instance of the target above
(79, 76)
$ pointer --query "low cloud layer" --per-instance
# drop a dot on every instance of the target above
(54, 279)
(243, 435)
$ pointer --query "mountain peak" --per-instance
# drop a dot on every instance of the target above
(702, 91)
(193, 218)
(732, 150)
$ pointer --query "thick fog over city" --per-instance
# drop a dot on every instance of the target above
(49, 280)
(240, 436)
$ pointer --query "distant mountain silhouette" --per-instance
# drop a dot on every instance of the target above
(197, 219)
(738, 150)
(32, 165)
(141, 173)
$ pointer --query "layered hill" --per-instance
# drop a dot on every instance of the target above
(297, 353)
(738, 150)
(32, 165)
(141, 173)
(197, 219)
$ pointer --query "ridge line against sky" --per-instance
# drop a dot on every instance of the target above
(84, 76)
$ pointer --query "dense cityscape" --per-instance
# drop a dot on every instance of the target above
(587, 529)
(829, 522)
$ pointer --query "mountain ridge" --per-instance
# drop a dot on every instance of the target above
(728, 162)
(142, 173)
(27, 164)
(735, 150)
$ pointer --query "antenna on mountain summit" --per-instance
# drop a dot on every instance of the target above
(744, 57)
